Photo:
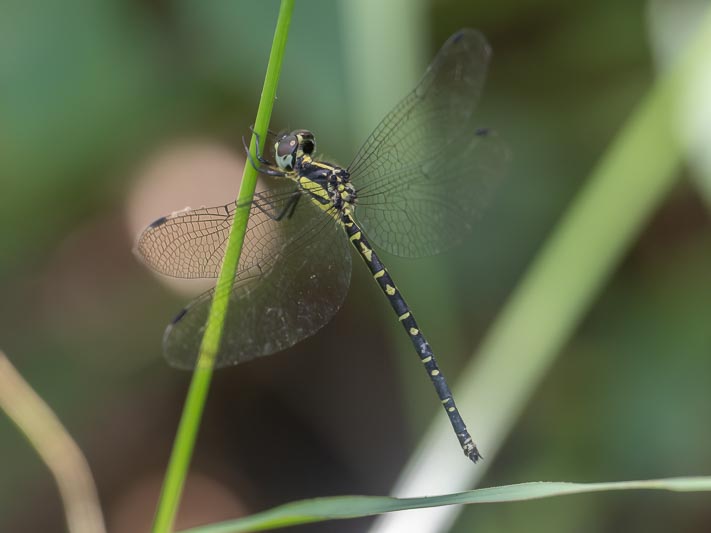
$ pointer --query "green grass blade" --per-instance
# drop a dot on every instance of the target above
(340, 507)
(199, 386)
(55, 446)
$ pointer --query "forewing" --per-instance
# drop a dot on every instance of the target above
(426, 170)
(427, 208)
(191, 243)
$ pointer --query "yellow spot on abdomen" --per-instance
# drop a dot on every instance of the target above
(356, 236)
(367, 252)
(414, 331)
(404, 316)
(427, 359)
(452, 409)
(434, 373)
(390, 290)
(379, 274)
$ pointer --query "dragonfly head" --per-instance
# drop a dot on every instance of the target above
(293, 146)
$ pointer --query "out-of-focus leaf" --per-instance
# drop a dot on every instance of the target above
(320, 509)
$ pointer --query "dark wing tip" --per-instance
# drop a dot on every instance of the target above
(139, 249)
(166, 335)
(180, 349)
(472, 39)
(158, 222)
(458, 36)
(178, 317)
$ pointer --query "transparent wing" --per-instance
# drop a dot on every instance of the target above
(429, 207)
(292, 278)
(426, 170)
(191, 243)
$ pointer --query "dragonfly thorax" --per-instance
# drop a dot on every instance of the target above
(327, 185)
(341, 190)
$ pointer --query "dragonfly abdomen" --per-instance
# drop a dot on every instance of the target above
(402, 310)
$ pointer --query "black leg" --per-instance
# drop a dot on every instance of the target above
(262, 169)
(270, 132)
(260, 152)
(291, 206)
(287, 211)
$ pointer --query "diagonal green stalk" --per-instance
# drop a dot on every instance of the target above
(55, 446)
(200, 384)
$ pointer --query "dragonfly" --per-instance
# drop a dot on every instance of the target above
(414, 189)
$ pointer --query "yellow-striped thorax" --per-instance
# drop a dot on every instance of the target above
(327, 185)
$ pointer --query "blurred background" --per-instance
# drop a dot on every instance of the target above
(115, 113)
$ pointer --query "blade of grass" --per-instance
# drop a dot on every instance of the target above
(340, 507)
(630, 181)
(670, 27)
(55, 446)
(199, 386)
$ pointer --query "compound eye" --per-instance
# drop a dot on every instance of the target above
(286, 152)
(287, 146)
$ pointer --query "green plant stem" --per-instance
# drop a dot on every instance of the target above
(199, 386)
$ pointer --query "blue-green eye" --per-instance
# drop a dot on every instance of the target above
(286, 152)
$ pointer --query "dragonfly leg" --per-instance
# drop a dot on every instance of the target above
(260, 152)
(287, 211)
(270, 132)
(264, 168)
